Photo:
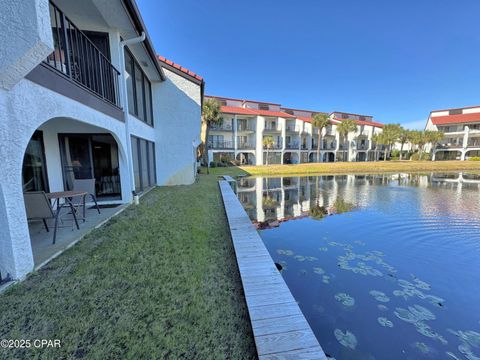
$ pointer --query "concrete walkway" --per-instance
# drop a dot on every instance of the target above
(279, 327)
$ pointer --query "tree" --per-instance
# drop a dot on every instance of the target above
(415, 138)
(403, 138)
(344, 128)
(320, 121)
(433, 137)
(267, 144)
(377, 138)
(211, 116)
(391, 133)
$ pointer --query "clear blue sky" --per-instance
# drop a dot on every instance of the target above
(393, 59)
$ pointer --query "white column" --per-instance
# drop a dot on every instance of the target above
(234, 124)
(260, 122)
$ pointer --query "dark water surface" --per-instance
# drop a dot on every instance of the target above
(383, 266)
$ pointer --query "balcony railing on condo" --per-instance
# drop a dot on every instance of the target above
(304, 147)
(221, 127)
(292, 128)
(362, 146)
(245, 145)
(329, 145)
(220, 144)
(272, 127)
(77, 57)
(343, 146)
(245, 127)
(275, 146)
(292, 145)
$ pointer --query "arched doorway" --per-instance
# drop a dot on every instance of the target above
(64, 154)
(329, 157)
(290, 158)
(361, 156)
(246, 158)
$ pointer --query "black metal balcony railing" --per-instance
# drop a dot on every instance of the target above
(304, 147)
(343, 146)
(76, 56)
(292, 145)
(220, 145)
(275, 146)
(222, 127)
(329, 146)
(245, 145)
(245, 127)
(362, 146)
(292, 128)
(270, 127)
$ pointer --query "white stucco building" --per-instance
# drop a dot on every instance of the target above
(246, 122)
(462, 133)
(84, 95)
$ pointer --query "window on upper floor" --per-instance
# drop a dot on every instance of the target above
(455, 112)
(223, 102)
(263, 107)
(344, 116)
(363, 118)
(139, 90)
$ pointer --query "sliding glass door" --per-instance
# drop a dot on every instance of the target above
(143, 155)
(34, 170)
(91, 156)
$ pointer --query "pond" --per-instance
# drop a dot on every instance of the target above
(382, 266)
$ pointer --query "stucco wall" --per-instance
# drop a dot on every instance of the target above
(177, 116)
(24, 109)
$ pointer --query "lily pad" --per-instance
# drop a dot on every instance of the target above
(379, 296)
(384, 322)
(346, 338)
(345, 299)
(318, 270)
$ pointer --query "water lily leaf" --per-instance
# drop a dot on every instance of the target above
(346, 338)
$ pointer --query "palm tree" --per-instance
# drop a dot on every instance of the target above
(378, 140)
(433, 137)
(391, 133)
(320, 121)
(267, 144)
(344, 128)
(403, 138)
(415, 138)
(211, 116)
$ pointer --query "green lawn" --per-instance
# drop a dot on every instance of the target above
(362, 167)
(158, 281)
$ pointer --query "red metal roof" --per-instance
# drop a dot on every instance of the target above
(248, 111)
(455, 119)
(179, 67)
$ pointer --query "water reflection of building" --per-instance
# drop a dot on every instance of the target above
(285, 198)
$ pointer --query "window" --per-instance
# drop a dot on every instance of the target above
(223, 102)
(263, 107)
(143, 155)
(289, 111)
(455, 112)
(344, 116)
(139, 90)
(363, 118)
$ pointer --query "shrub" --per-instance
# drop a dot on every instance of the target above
(213, 164)
(474, 158)
(416, 156)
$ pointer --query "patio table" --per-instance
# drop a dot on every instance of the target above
(67, 195)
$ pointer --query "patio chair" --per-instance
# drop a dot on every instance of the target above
(88, 186)
(38, 207)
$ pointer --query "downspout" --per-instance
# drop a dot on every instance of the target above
(124, 43)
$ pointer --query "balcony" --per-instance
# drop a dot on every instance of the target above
(304, 147)
(272, 127)
(220, 145)
(362, 146)
(78, 59)
(343, 146)
(276, 146)
(221, 127)
(245, 146)
(242, 127)
(292, 128)
(292, 145)
(329, 145)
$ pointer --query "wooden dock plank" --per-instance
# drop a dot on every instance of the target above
(279, 326)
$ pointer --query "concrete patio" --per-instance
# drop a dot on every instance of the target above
(67, 233)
